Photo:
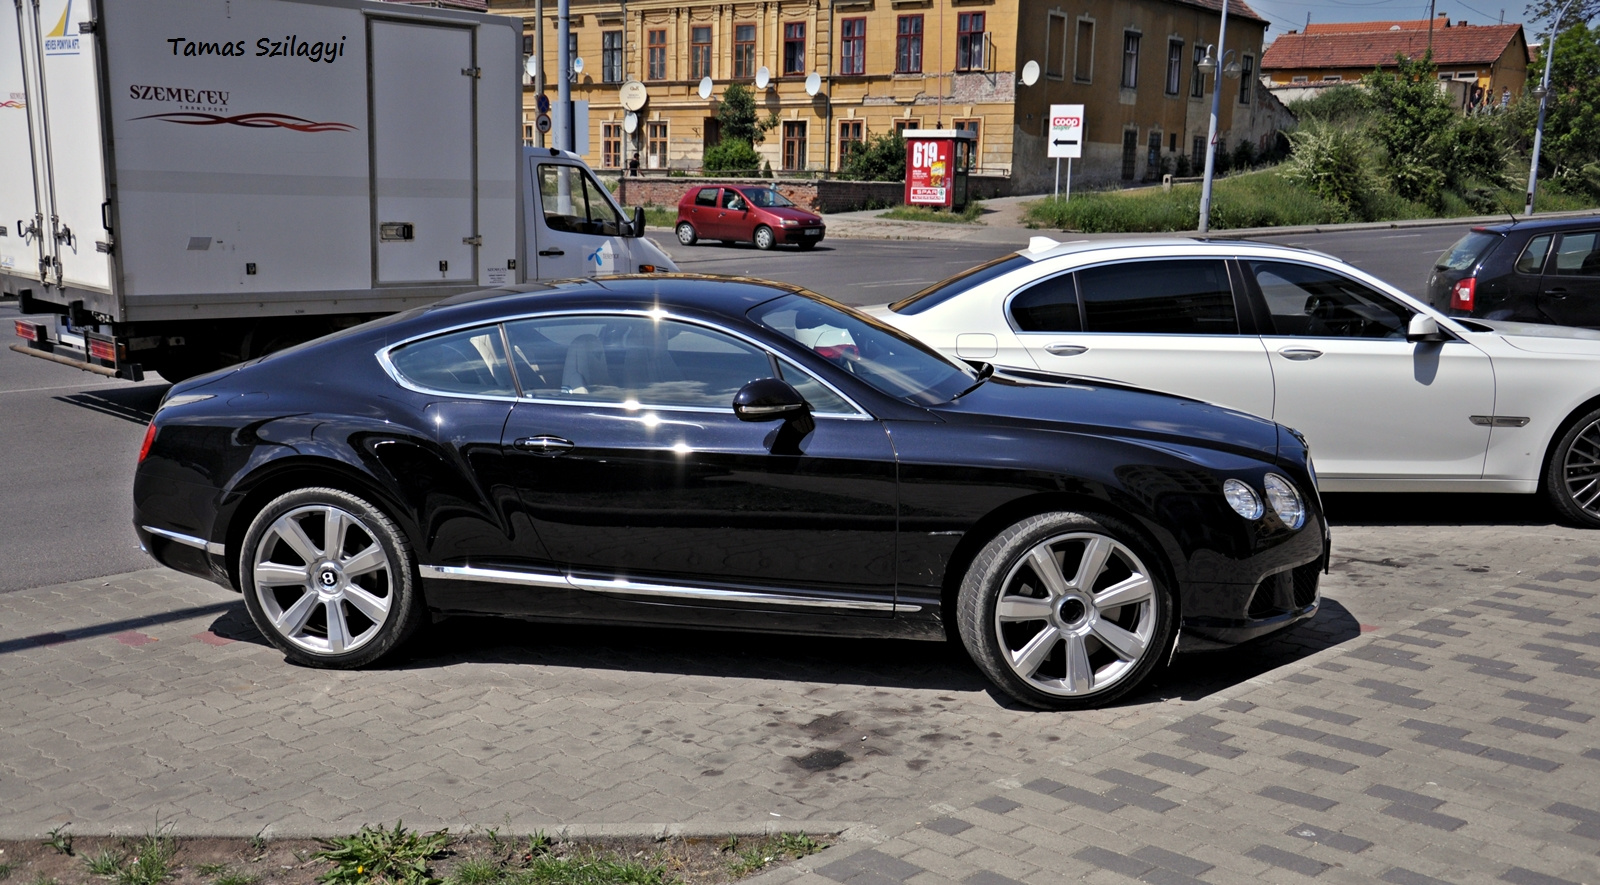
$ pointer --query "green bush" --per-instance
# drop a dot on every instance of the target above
(1330, 161)
(880, 158)
(1338, 104)
(731, 156)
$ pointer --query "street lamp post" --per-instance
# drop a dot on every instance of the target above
(1207, 66)
(1542, 92)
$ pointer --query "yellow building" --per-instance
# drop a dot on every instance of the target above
(888, 64)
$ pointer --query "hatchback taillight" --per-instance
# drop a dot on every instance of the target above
(149, 437)
(1461, 294)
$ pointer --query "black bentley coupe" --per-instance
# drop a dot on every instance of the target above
(726, 454)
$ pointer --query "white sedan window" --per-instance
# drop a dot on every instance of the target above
(1173, 297)
(1315, 303)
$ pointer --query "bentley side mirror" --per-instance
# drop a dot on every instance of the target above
(638, 222)
(1425, 328)
(769, 399)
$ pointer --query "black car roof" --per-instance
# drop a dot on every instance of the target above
(1541, 224)
(730, 296)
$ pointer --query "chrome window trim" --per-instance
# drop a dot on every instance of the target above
(622, 587)
(211, 547)
(388, 364)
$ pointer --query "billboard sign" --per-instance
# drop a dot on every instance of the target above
(928, 172)
(1066, 131)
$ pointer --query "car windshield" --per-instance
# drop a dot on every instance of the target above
(884, 358)
(766, 198)
(1467, 250)
(944, 290)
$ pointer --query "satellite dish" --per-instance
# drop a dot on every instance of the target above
(577, 65)
(1030, 73)
(633, 95)
(763, 77)
(531, 66)
(813, 83)
(705, 87)
(630, 123)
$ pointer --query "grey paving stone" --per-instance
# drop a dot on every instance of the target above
(1482, 666)
(1591, 753)
(1297, 798)
(1395, 794)
(1556, 591)
(1110, 860)
(1043, 785)
(1237, 706)
(1209, 747)
(1365, 748)
(1277, 857)
(1403, 876)
(949, 826)
(997, 805)
(1178, 863)
(1322, 763)
(1134, 781)
(1522, 876)
(986, 877)
(1528, 727)
(1571, 575)
(1389, 656)
(1394, 693)
(1525, 613)
(1423, 816)
(870, 860)
(1141, 799)
(1414, 640)
(1563, 809)
(1087, 799)
(1440, 627)
(1172, 763)
(1332, 716)
(1591, 639)
(1331, 838)
(1333, 666)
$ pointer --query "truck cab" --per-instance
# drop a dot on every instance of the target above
(575, 228)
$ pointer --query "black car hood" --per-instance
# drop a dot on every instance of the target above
(1091, 405)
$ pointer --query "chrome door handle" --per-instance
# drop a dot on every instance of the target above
(1299, 353)
(1556, 293)
(548, 253)
(543, 445)
(1064, 349)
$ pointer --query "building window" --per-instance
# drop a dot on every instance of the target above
(1331, 78)
(1174, 66)
(700, 51)
(1055, 46)
(1172, 143)
(908, 45)
(655, 145)
(528, 135)
(712, 129)
(1247, 75)
(1153, 156)
(973, 126)
(850, 133)
(527, 44)
(1301, 79)
(969, 41)
(1197, 80)
(1083, 52)
(794, 48)
(611, 145)
(1130, 60)
(794, 145)
(852, 46)
(611, 56)
(572, 53)
(1197, 153)
(744, 51)
(657, 42)
(1130, 153)
(905, 123)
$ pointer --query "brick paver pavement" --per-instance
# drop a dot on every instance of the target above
(1434, 721)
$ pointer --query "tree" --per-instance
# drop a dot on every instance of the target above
(737, 117)
(1572, 110)
(731, 156)
(1413, 124)
(1545, 10)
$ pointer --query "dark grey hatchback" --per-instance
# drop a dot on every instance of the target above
(1545, 271)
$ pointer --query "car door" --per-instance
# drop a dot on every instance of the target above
(702, 212)
(1569, 292)
(1374, 405)
(579, 233)
(1166, 324)
(733, 216)
(643, 483)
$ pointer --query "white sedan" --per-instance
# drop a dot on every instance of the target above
(1393, 395)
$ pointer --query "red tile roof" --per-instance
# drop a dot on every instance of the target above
(1366, 27)
(1460, 45)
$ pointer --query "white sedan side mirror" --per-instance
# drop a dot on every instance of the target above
(1425, 328)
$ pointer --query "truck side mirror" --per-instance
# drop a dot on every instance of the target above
(637, 229)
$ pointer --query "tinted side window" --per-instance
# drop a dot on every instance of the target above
(1578, 255)
(629, 359)
(462, 362)
(1048, 306)
(1532, 258)
(816, 393)
(707, 196)
(1187, 297)
(1312, 302)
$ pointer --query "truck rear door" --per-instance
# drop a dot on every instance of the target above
(19, 186)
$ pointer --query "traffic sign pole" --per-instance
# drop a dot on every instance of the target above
(1058, 178)
(1069, 179)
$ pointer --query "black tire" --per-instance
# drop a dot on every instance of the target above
(1572, 475)
(1070, 619)
(764, 238)
(354, 604)
(686, 234)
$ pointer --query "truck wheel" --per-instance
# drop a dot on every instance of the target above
(686, 234)
(1061, 612)
(329, 579)
(764, 238)
(1572, 476)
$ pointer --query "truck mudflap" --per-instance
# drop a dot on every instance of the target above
(89, 351)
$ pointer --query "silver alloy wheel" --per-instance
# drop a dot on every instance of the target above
(323, 579)
(1078, 634)
(1580, 469)
(764, 238)
(686, 234)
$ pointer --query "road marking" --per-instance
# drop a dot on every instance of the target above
(1399, 236)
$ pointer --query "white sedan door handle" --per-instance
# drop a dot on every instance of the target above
(1064, 349)
(1299, 353)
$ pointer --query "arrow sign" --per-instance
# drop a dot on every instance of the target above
(1065, 138)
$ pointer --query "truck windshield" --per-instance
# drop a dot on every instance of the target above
(887, 359)
(574, 202)
(1467, 250)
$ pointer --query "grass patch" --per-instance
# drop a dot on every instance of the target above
(660, 216)
(151, 863)
(969, 215)
(106, 862)
(5, 870)
(758, 854)
(589, 868)
(42, 879)
(380, 855)
(1260, 199)
(60, 840)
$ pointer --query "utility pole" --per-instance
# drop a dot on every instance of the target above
(1431, 15)
(538, 54)
(1543, 93)
(1211, 130)
(563, 108)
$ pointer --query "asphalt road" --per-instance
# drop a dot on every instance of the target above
(68, 439)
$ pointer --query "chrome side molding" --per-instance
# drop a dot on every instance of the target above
(211, 547)
(1498, 420)
(621, 587)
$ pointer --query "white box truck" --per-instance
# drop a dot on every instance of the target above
(189, 183)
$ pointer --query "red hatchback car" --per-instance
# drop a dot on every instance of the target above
(746, 213)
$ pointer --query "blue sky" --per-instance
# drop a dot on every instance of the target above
(1287, 15)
